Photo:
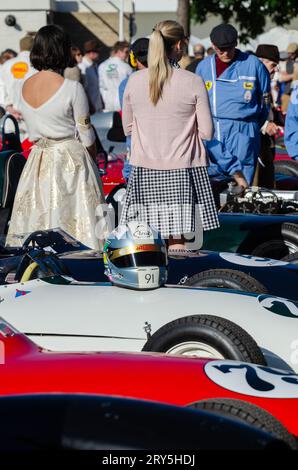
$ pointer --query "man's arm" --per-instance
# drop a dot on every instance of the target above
(285, 77)
(264, 86)
(291, 127)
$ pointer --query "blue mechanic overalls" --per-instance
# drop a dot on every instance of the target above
(239, 100)
(291, 127)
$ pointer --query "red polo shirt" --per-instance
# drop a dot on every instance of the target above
(222, 66)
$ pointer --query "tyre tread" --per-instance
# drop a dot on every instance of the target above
(248, 413)
(246, 282)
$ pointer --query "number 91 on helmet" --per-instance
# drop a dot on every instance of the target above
(135, 256)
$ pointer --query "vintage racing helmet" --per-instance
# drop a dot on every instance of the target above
(135, 256)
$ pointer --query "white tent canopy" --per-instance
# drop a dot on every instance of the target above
(279, 36)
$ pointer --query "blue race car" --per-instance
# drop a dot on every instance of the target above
(269, 236)
(54, 252)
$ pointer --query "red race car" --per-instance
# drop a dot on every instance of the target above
(111, 167)
(226, 387)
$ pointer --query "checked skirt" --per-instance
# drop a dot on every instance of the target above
(170, 200)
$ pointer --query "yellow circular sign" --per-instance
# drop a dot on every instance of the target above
(19, 69)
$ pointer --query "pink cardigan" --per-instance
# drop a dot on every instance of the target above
(168, 135)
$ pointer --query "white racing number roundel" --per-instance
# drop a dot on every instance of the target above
(249, 379)
(248, 260)
(279, 306)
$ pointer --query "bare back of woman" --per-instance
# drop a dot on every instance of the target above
(60, 185)
(40, 88)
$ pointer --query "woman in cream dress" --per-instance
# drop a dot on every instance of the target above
(60, 185)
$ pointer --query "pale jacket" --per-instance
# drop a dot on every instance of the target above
(15, 70)
(111, 73)
(169, 135)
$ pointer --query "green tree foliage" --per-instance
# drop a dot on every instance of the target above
(250, 15)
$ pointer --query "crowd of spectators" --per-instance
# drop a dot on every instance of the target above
(101, 79)
(241, 96)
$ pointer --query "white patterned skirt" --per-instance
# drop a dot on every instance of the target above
(170, 200)
(60, 186)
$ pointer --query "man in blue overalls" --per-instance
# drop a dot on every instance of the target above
(291, 127)
(238, 85)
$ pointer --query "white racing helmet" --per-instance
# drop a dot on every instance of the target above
(135, 256)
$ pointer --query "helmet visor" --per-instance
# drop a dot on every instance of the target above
(141, 259)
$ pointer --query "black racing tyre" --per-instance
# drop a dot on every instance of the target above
(279, 245)
(286, 167)
(247, 413)
(205, 336)
(227, 279)
(72, 423)
(293, 258)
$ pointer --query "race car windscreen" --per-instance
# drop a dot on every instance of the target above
(145, 258)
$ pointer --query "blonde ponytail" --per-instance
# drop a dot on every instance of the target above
(158, 65)
(164, 36)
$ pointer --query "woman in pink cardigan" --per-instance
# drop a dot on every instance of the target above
(166, 112)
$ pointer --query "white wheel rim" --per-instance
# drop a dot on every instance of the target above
(195, 348)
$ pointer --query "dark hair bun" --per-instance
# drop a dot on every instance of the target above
(51, 49)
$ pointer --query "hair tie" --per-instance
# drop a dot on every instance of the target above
(158, 30)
